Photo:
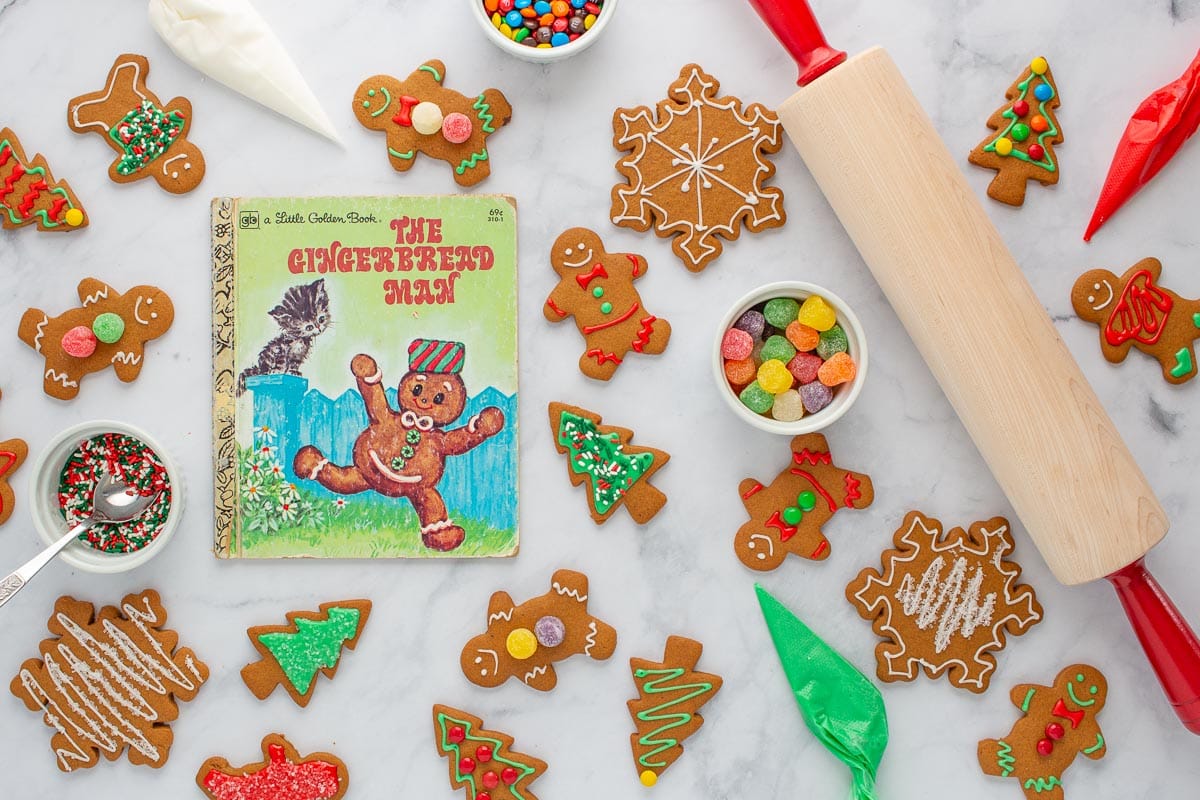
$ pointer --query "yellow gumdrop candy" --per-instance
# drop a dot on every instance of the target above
(521, 644)
(1039, 66)
(1004, 146)
(817, 314)
(649, 778)
(774, 376)
(73, 217)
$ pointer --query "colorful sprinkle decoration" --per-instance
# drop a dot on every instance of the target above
(135, 464)
(541, 23)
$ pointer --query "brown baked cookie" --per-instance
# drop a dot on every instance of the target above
(787, 516)
(420, 115)
(150, 139)
(944, 601)
(596, 288)
(615, 471)
(1134, 311)
(12, 456)
(310, 643)
(282, 775)
(109, 682)
(29, 194)
(1058, 723)
(523, 641)
(1022, 149)
(667, 708)
(482, 761)
(108, 329)
(694, 168)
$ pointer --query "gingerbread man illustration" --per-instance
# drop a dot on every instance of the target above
(403, 453)
(786, 517)
(596, 288)
(1134, 311)
(420, 115)
(150, 138)
(524, 641)
(1058, 723)
(109, 329)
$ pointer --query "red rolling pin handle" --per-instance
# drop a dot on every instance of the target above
(793, 23)
(1169, 643)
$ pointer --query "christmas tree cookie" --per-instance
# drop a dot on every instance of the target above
(1027, 130)
(482, 761)
(616, 472)
(310, 643)
(666, 710)
(29, 194)
(282, 775)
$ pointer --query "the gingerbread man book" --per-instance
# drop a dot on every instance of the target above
(365, 377)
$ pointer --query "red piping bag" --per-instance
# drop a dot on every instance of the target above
(1159, 127)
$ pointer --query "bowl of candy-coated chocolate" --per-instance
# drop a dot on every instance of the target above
(65, 477)
(790, 358)
(543, 30)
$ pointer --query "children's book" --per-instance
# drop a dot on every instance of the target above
(365, 377)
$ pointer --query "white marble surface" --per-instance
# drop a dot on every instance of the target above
(679, 574)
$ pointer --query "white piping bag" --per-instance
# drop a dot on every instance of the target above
(229, 41)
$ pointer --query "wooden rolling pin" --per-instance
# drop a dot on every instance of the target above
(982, 331)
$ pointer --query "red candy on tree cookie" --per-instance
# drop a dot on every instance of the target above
(482, 761)
(282, 775)
(29, 194)
(1023, 148)
(1135, 311)
(787, 516)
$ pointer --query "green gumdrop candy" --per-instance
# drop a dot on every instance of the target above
(781, 311)
(756, 398)
(778, 347)
(108, 327)
(833, 341)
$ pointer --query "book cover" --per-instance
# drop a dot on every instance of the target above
(365, 377)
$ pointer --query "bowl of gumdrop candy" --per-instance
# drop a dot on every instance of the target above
(790, 358)
(543, 30)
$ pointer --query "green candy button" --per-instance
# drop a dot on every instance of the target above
(598, 292)
(792, 515)
(606, 308)
(108, 327)
(807, 501)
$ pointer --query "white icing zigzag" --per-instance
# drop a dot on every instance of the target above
(504, 615)
(41, 332)
(101, 294)
(533, 673)
(127, 358)
(567, 591)
(959, 607)
(61, 378)
(591, 637)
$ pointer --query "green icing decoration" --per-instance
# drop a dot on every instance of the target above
(411, 154)
(670, 720)
(1040, 785)
(472, 162)
(6, 153)
(108, 327)
(484, 112)
(445, 722)
(601, 457)
(842, 708)
(1028, 697)
(1005, 759)
(1046, 163)
(144, 134)
(1099, 743)
(437, 76)
(316, 645)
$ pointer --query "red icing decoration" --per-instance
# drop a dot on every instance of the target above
(1060, 710)
(632, 310)
(1045, 747)
(280, 779)
(404, 115)
(753, 490)
(1037, 152)
(1055, 731)
(456, 734)
(785, 531)
(1140, 314)
(816, 485)
(597, 271)
(852, 490)
(806, 456)
(643, 335)
(490, 780)
(483, 754)
(550, 302)
(602, 356)
(820, 549)
(1020, 108)
(509, 776)
(637, 269)
(466, 764)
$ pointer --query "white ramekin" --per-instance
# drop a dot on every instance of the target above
(542, 55)
(843, 396)
(48, 518)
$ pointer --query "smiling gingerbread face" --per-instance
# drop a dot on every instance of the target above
(153, 311)
(439, 396)
(374, 99)
(1086, 688)
(575, 249)
(1093, 295)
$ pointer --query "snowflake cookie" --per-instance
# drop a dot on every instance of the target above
(695, 168)
(944, 601)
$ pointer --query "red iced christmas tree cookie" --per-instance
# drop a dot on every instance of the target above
(282, 775)
(29, 194)
(482, 761)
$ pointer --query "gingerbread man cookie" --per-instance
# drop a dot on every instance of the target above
(108, 329)
(787, 516)
(30, 195)
(596, 288)
(420, 115)
(523, 641)
(12, 455)
(403, 454)
(1058, 723)
(150, 139)
(944, 601)
(1134, 311)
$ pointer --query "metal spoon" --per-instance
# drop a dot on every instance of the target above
(113, 501)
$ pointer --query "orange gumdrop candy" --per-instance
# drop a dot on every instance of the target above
(840, 368)
(740, 372)
(802, 337)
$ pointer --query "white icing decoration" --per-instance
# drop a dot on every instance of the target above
(1092, 298)
(591, 637)
(495, 661)
(127, 358)
(583, 262)
(137, 78)
(568, 591)
(60, 378)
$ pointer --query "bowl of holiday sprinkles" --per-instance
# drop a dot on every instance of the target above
(790, 358)
(64, 481)
(543, 30)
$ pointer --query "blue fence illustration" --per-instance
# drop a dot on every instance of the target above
(480, 484)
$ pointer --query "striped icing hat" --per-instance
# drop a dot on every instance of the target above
(434, 355)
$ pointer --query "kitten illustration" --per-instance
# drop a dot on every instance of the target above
(302, 314)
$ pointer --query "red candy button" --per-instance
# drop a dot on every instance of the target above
(457, 734)
(466, 764)
(1045, 747)
(1036, 152)
(1020, 108)
(1055, 731)
(483, 753)
(457, 128)
(79, 342)
(483, 796)
(509, 776)
(490, 779)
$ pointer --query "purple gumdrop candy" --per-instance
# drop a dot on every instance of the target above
(816, 396)
(549, 631)
(752, 322)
